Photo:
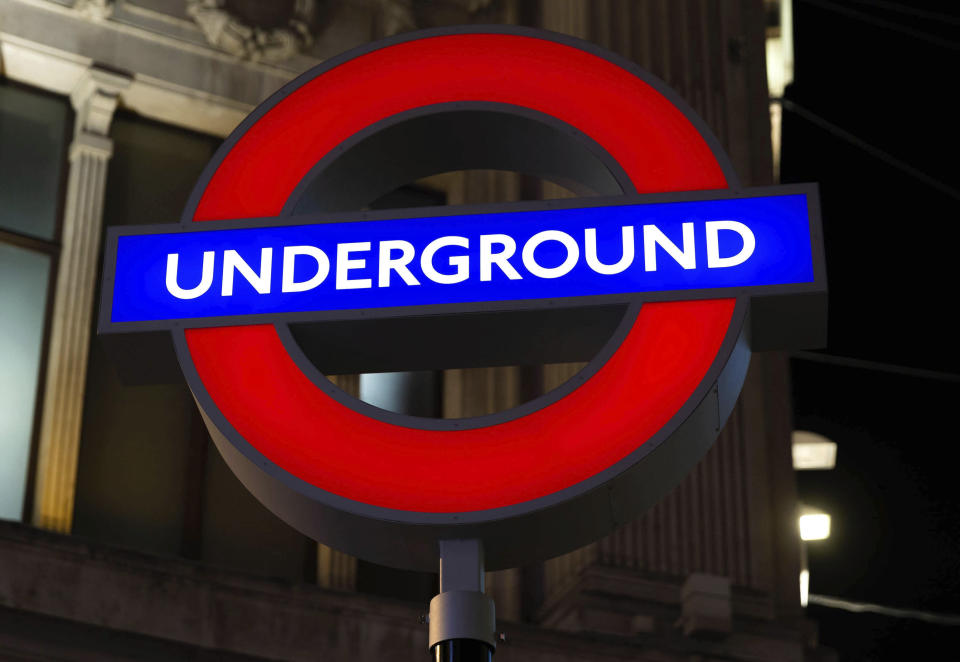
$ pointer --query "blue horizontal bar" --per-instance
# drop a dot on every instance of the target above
(681, 246)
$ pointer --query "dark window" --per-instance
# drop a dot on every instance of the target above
(148, 475)
(33, 138)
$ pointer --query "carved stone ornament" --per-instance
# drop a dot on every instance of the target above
(398, 16)
(226, 30)
(98, 10)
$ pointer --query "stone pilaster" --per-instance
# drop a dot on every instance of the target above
(335, 569)
(94, 99)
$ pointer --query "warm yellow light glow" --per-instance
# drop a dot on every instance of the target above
(779, 51)
(804, 587)
(813, 451)
(814, 526)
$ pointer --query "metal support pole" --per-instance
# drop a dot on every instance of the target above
(462, 618)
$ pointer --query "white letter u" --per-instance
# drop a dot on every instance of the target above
(206, 279)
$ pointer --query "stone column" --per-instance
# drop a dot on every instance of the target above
(335, 569)
(94, 99)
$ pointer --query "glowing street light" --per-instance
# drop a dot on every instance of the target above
(814, 525)
(813, 451)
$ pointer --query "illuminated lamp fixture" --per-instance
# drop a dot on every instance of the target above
(814, 524)
(813, 451)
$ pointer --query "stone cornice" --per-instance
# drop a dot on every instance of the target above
(175, 76)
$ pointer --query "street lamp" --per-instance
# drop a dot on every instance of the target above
(812, 451)
(814, 524)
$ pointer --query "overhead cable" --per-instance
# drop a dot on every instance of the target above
(876, 152)
(883, 23)
(848, 362)
(909, 11)
(894, 612)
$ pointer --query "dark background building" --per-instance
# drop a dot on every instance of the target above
(863, 118)
(127, 537)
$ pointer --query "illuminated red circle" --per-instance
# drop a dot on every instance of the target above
(273, 405)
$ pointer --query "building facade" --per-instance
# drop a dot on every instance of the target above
(125, 536)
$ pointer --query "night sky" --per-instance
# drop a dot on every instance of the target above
(886, 73)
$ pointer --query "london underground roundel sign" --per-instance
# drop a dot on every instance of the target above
(696, 271)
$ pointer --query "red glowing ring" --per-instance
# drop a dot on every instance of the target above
(299, 429)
